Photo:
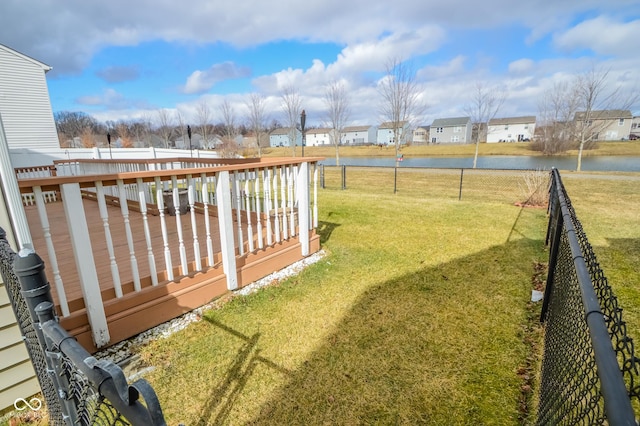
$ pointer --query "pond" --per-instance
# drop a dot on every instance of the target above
(598, 163)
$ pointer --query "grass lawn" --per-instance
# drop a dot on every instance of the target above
(417, 314)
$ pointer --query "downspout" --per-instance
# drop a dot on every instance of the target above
(11, 194)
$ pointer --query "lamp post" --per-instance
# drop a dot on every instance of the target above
(303, 119)
(109, 143)
(189, 134)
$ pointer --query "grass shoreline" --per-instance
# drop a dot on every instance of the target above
(630, 148)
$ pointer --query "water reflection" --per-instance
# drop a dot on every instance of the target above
(601, 163)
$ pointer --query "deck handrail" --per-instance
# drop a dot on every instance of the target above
(257, 204)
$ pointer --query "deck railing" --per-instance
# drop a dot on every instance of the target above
(256, 205)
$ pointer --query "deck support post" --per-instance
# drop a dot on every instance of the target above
(225, 222)
(85, 263)
(303, 207)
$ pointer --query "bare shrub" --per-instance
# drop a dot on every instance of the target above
(535, 188)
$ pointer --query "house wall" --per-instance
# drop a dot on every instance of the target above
(359, 137)
(317, 139)
(635, 126)
(614, 130)
(611, 130)
(279, 140)
(24, 102)
(452, 134)
(510, 132)
(385, 136)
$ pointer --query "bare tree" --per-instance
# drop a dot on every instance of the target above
(401, 102)
(338, 112)
(203, 120)
(596, 99)
(483, 107)
(292, 107)
(72, 125)
(556, 111)
(165, 125)
(257, 117)
(228, 121)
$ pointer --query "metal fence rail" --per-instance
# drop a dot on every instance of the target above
(461, 184)
(78, 388)
(581, 380)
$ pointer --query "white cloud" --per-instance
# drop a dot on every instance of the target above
(521, 66)
(203, 81)
(602, 35)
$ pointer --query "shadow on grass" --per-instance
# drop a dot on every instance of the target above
(435, 346)
(325, 229)
(223, 398)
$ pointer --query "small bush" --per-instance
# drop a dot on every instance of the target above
(535, 188)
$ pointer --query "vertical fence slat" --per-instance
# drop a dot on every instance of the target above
(184, 267)
(160, 190)
(266, 183)
(142, 194)
(247, 199)
(104, 215)
(46, 228)
(124, 209)
(194, 223)
(207, 221)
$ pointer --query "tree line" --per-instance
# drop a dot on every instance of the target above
(402, 102)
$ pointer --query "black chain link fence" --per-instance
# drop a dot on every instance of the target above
(589, 371)
(78, 389)
(463, 184)
(35, 351)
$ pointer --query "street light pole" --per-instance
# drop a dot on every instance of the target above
(109, 142)
(303, 119)
(189, 134)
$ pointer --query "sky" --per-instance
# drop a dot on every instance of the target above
(120, 60)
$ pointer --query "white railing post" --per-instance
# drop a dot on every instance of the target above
(163, 227)
(142, 190)
(205, 200)
(194, 223)
(225, 222)
(46, 228)
(315, 196)
(124, 210)
(104, 215)
(85, 264)
(303, 207)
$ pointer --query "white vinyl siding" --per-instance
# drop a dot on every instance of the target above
(24, 102)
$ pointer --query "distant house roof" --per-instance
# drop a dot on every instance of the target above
(512, 120)
(44, 66)
(450, 122)
(609, 114)
(357, 128)
(318, 131)
(391, 124)
(280, 131)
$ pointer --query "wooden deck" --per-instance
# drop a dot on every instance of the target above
(138, 311)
